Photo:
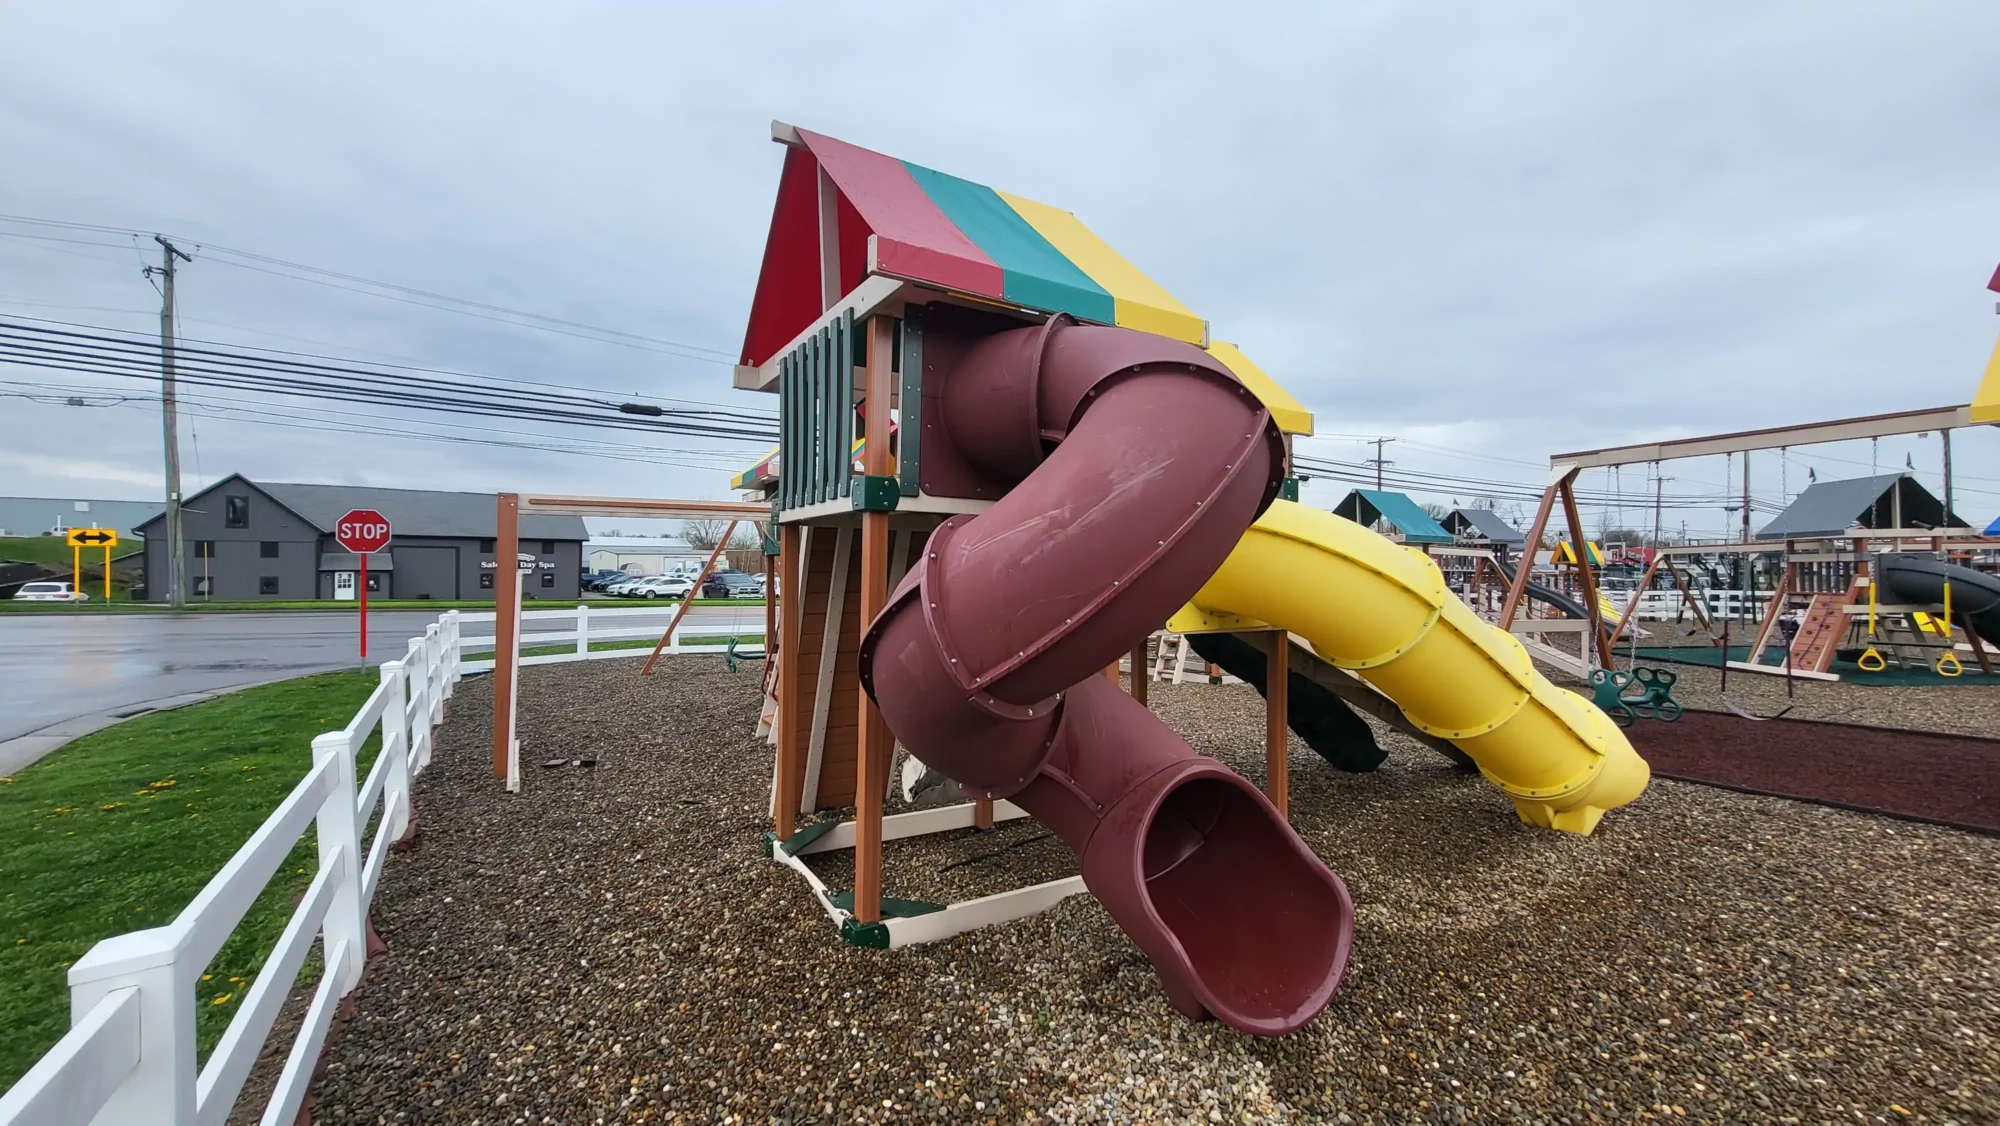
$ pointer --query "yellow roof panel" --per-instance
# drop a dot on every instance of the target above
(1291, 415)
(1986, 401)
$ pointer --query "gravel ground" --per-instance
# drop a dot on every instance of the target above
(612, 946)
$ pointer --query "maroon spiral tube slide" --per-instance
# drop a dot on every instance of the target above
(1140, 462)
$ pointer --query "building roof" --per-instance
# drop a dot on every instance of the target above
(1365, 506)
(1485, 524)
(1831, 508)
(411, 512)
(904, 220)
(1993, 529)
(31, 516)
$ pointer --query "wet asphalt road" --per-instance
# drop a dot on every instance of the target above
(57, 667)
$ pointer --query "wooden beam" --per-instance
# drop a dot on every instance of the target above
(639, 507)
(1533, 547)
(1141, 674)
(872, 765)
(1587, 581)
(1771, 438)
(1277, 731)
(793, 587)
(507, 576)
(681, 612)
(1978, 647)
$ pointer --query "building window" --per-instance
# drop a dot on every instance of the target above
(236, 512)
(548, 547)
(548, 579)
(374, 582)
(485, 547)
(268, 549)
(486, 580)
(199, 586)
(204, 549)
(267, 584)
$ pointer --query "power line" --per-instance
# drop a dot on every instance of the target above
(410, 295)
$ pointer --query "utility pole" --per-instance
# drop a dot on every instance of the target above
(1378, 462)
(169, 425)
(1946, 435)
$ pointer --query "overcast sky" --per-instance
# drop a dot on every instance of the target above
(1491, 236)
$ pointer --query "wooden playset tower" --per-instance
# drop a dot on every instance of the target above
(873, 268)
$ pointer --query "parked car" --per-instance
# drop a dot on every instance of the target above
(49, 592)
(598, 580)
(732, 584)
(625, 585)
(664, 586)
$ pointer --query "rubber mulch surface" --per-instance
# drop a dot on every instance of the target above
(1950, 779)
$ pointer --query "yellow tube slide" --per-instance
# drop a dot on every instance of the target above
(1384, 612)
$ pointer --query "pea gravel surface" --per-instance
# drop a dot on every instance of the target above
(611, 945)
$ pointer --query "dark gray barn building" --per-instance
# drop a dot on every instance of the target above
(248, 541)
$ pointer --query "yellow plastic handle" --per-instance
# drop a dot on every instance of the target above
(1948, 665)
(1871, 661)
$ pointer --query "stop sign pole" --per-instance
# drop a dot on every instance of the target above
(362, 531)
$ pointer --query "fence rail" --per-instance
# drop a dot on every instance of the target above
(588, 625)
(129, 1056)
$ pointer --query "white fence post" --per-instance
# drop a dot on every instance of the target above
(396, 739)
(340, 843)
(435, 690)
(454, 653)
(160, 1091)
(582, 630)
(418, 682)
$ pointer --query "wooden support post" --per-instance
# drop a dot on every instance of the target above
(1277, 730)
(982, 814)
(1645, 581)
(1587, 581)
(1141, 674)
(1111, 674)
(1693, 603)
(793, 588)
(1978, 647)
(770, 605)
(695, 592)
(1526, 567)
(507, 576)
(876, 742)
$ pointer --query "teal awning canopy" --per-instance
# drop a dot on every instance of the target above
(1365, 506)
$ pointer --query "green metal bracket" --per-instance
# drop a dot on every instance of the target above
(1289, 489)
(891, 908)
(876, 494)
(871, 936)
(807, 835)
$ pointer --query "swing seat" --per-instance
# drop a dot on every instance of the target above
(733, 653)
(1654, 700)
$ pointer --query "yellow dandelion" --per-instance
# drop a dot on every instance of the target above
(112, 806)
(222, 1000)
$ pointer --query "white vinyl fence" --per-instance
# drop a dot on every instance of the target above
(129, 1056)
(579, 627)
(1670, 605)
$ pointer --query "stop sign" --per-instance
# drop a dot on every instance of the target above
(362, 530)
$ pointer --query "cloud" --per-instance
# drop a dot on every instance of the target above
(1512, 231)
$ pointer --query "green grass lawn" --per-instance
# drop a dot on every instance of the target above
(55, 551)
(118, 831)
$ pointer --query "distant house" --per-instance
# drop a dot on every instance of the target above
(54, 516)
(249, 541)
(1410, 523)
(1835, 509)
(1483, 526)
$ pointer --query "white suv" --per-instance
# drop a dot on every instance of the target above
(664, 586)
(49, 592)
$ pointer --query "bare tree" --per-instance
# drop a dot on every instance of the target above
(1434, 510)
(703, 535)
